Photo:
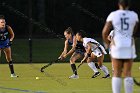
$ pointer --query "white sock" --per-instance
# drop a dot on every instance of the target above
(93, 67)
(128, 84)
(104, 69)
(116, 84)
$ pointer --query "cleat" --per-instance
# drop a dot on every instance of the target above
(14, 75)
(74, 76)
(96, 74)
(107, 76)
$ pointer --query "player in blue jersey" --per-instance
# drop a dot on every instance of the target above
(77, 50)
(6, 38)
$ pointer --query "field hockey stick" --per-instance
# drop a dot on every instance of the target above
(136, 82)
(49, 64)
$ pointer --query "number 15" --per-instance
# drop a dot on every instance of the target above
(124, 23)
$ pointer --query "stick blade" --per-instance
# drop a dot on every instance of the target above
(41, 70)
(52, 62)
(136, 82)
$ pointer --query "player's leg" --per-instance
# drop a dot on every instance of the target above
(112, 65)
(0, 52)
(7, 52)
(102, 67)
(116, 79)
(73, 58)
(111, 59)
(128, 80)
(91, 64)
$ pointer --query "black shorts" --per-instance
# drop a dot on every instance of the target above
(80, 51)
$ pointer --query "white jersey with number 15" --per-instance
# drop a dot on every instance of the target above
(123, 22)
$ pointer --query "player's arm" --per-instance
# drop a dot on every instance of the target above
(88, 52)
(65, 50)
(12, 35)
(135, 29)
(110, 36)
(105, 33)
(73, 47)
(136, 25)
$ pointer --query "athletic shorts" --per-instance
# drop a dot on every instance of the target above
(123, 52)
(99, 51)
(4, 44)
(80, 51)
(123, 48)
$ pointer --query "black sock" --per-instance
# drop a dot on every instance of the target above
(11, 67)
(73, 66)
(97, 66)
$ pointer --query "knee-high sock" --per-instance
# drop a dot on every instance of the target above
(92, 66)
(128, 84)
(104, 69)
(116, 84)
(73, 67)
(11, 67)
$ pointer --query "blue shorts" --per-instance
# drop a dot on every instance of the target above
(4, 44)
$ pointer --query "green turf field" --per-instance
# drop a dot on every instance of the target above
(55, 79)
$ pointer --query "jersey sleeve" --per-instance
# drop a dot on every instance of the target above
(85, 41)
(110, 17)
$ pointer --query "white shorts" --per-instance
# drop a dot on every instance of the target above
(123, 52)
(99, 51)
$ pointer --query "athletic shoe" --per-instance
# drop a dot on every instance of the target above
(107, 76)
(96, 74)
(14, 75)
(74, 76)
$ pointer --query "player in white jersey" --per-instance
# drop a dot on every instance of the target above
(93, 50)
(125, 23)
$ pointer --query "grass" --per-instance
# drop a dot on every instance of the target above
(55, 79)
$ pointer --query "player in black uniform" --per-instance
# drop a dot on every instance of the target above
(77, 50)
(6, 38)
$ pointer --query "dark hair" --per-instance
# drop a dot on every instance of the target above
(82, 33)
(125, 3)
(2, 17)
(69, 30)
